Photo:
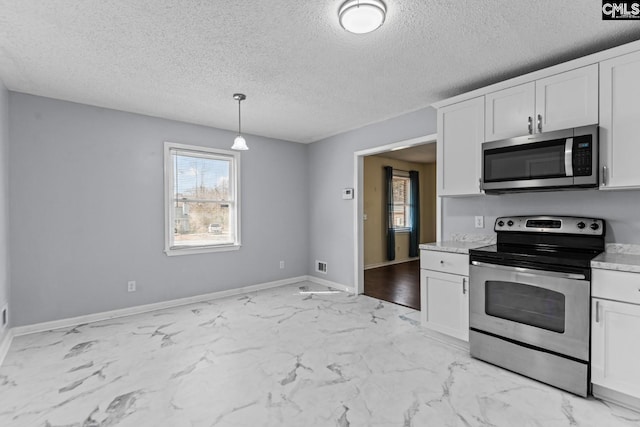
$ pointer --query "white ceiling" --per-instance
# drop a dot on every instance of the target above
(304, 76)
(425, 153)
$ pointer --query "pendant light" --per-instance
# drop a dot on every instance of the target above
(362, 16)
(239, 143)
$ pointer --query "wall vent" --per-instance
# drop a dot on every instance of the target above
(321, 267)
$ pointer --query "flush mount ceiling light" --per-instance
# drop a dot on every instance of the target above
(239, 143)
(362, 16)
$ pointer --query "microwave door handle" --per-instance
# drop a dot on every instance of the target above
(522, 270)
(568, 156)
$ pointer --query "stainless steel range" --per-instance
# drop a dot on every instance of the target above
(529, 298)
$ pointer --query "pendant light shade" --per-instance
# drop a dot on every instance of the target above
(362, 16)
(239, 142)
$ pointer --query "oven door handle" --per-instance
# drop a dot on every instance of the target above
(556, 274)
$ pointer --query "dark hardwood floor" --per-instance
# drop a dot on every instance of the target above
(398, 283)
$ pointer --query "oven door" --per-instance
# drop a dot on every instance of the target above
(545, 309)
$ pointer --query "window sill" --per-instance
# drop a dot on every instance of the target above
(403, 230)
(200, 250)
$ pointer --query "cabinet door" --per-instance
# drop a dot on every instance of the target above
(444, 300)
(510, 112)
(460, 136)
(619, 116)
(567, 100)
(615, 346)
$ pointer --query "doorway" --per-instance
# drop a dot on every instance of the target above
(394, 280)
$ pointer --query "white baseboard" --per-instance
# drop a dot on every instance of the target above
(386, 263)
(604, 393)
(5, 344)
(447, 339)
(130, 311)
(106, 315)
(334, 285)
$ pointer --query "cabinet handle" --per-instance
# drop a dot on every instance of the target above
(480, 184)
(464, 285)
(597, 311)
(539, 122)
(530, 125)
(604, 176)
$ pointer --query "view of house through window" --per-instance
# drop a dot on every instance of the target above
(202, 198)
(401, 192)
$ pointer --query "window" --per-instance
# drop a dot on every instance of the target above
(201, 197)
(401, 194)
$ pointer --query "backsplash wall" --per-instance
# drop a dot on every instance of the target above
(620, 210)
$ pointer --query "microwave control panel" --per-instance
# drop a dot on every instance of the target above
(582, 152)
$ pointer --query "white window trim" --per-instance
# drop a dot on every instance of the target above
(234, 184)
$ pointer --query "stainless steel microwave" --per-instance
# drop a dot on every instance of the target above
(562, 159)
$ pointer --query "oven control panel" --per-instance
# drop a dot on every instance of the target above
(551, 224)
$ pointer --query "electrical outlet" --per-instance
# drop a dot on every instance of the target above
(479, 222)
(281, 264)
(131, 286)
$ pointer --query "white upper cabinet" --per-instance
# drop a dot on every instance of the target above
(619, 117)
(560, 101)
(567, 100)
(460, 137)
(509, 112)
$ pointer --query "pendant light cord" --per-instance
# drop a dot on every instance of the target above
(239, 118)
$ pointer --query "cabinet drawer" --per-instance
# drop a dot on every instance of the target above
(616, 285)
(445, 262)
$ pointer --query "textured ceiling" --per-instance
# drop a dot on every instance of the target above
(425, 153)
(304, 76)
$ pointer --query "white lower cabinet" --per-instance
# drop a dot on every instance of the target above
(615, 336)
(444, 301)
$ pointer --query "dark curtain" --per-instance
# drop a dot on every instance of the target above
(391, 233)
(414, 206)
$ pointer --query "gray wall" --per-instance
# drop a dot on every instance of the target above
(87, 213)
(331, 168)
(4, 198)
(620, 209)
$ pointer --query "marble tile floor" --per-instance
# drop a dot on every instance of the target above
(278, 357)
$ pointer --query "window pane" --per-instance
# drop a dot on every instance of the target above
(201, 178)
(202, 223)
(401, 201)
(531, 305)
(399, 190)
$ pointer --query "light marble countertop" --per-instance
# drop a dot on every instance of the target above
(453, 246)
(617, 261)
(619, 257)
